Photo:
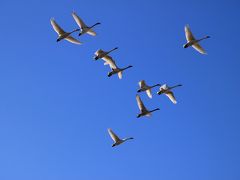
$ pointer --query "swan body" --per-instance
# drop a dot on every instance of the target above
(191, 41)
(116, 139)
(84, 28)
(143, 110)
(62, 34)
(115, 69)
(144, 87)
(100, 53)
(164, 89)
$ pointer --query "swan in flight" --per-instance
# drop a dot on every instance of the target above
(84, 28)
(115, 69)
(116, 139)
(143, 109)
(144, 87)
(191, 41)
(164, 89)
(64, 35)
(100, 53)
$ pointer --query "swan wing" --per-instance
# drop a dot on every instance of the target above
(164, 87)
(109, 61)
(91, 32)
(120, 74)
(170, 95)
(106, 58)
(188, 34)
(73, 40)
(149, 93)
(142, 84)
(140, 103)
(99, 52)
(198, 48)
(149, 114)
(79, 21)
(56, 27)
(114, 137)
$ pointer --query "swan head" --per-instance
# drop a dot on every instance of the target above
(113, 145)
(58, 40)
(139, 90)
(80, 34)
(207, 36)
(96, 57)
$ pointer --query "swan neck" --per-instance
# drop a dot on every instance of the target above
(175, 86)
(154, 110)
(155, 85)
(112, 50)
(127, 67)
(93, 25)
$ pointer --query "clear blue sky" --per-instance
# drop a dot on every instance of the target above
(56, 103)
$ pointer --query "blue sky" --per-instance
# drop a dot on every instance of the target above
(57, 103)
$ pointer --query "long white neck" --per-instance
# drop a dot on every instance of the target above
(126, 68)
(125, 139)
(206, 37)
(93, 25)
(155, 85)
(74, 31)
(154, 110)
(175, 86)
(112, 50)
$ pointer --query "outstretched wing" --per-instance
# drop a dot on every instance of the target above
(56, 27)
(98, 52)
(142, 84)
(120, 74)
(73, 40)
(170, 95)
(91, 32)
(149, 93)
(79, 21)
(114, 137)
(197, 47)
(164, 87)
(188, 34)
(140, 103)
(110, 62)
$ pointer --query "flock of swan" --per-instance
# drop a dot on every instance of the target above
(108, 60)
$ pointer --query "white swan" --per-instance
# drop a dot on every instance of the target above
(62, 34)
(144, 87)
(143, 109)
(191, 41)
(100, 53)
(116, 139)
(115, 69)
(84, 28)
(164, 89)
